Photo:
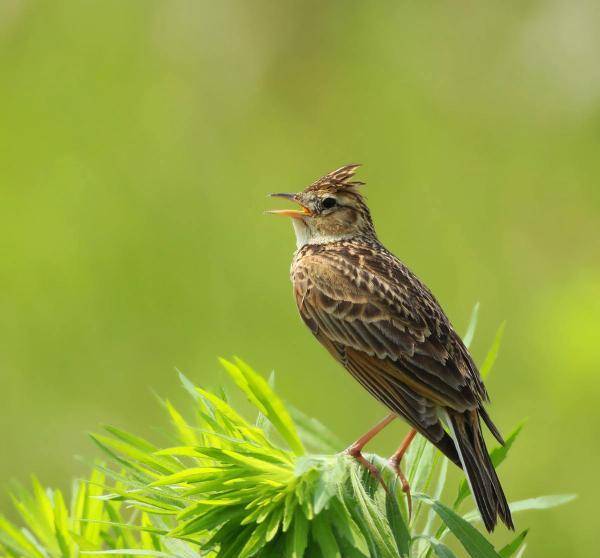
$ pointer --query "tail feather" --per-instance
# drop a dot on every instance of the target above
(479, 470)
(488, 421)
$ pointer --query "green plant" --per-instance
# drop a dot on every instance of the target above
(227, 487)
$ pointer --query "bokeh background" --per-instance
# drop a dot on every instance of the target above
(138, 140)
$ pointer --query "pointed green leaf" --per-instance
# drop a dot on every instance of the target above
(297, 537)
(472, 540)
(256, 541)
(274, 523)
(397, 522)
(372, 523)
(264, 398)
(13, 537)
(327, 483)
(186, 433)
(346, 527)
(314, 433)
(61, 526)
(437, 493)
(513, 546)
(419, 457)
(468, 338)
(262, 422)
(492, 355)
(539, 503)
(131, 455)
(323, 535)
(440, 549)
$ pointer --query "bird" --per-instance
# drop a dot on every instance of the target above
(385, 327)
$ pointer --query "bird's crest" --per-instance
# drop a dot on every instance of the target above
(340, 179)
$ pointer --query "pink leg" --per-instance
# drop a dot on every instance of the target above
(395, 465)
(355, 450)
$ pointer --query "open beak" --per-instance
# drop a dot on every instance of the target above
(293, 213)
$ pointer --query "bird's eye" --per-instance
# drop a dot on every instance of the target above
(328, 203)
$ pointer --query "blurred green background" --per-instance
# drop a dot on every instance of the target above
(138, 140)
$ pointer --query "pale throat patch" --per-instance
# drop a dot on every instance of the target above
(304, 235)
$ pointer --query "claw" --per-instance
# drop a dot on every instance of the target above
(356, 453)
(394, 463)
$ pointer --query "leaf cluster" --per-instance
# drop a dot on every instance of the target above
(224, 486)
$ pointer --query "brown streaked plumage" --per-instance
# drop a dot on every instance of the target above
(387, 329)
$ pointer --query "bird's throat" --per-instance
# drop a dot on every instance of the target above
(306, 235)
(302, 232)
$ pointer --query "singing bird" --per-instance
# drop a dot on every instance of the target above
(387, 329)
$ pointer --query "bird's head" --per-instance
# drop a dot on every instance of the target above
(331, 209)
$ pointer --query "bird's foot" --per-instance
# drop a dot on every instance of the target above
(394, 463)
(356, 452)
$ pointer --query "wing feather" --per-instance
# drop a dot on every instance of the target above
(386, 314)
(403, 356)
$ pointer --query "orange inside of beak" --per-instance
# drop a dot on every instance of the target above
(293, 213)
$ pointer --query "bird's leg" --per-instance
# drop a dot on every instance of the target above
(355, 450)
(394, 462)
